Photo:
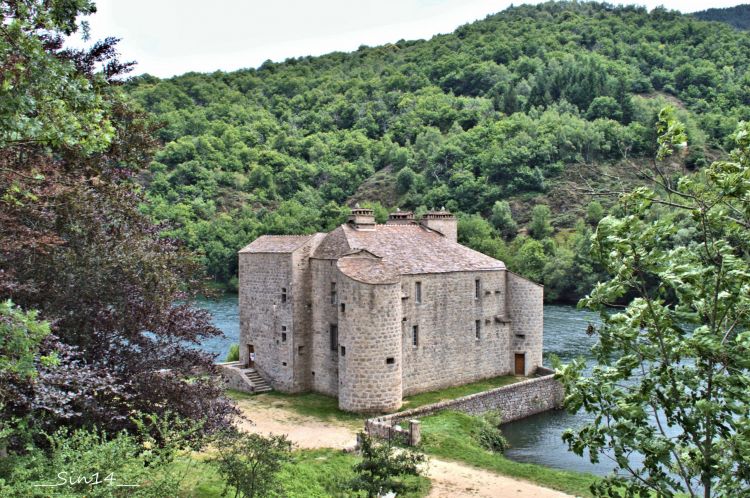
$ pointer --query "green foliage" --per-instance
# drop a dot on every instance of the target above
(594, 213)
(489, 435)
(234, 353)
(540, 227)
(737, 16)
(320, 473)
(20, 335)
(92, 463)
(383, 468)
(46, 100)
(672, 374)
(498, 108)
(531, 260)
(250, 463)
(502, 219)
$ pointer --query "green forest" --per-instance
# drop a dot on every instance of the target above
(505, 121)
(737, 16)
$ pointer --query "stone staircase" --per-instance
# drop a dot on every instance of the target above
(259, 383)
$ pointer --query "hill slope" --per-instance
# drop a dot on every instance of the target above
(737, 16)
(506, 108)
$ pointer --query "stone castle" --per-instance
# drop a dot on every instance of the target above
(371, 313)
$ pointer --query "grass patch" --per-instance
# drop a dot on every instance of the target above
(326, 408)
(313, 405)
(311, 474)
(452, 435)
(427, 398)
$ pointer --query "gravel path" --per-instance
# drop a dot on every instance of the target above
(449, 479)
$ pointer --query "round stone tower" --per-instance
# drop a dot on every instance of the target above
(369, 321)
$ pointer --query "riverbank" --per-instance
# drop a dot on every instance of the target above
(313, 423)
(534, 440)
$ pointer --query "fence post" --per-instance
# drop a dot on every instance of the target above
(415, 434)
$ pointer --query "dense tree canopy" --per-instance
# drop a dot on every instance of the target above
(497, 110)
(737, 16)
(75, 247)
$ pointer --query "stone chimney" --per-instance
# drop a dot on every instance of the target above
(400, 218)
(441, 221)
(362, 218)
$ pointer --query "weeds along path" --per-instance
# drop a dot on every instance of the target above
(449, 479)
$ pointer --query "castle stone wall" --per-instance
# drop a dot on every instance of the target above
(262, 314)
(370, 371)
(323, 361)
(526, 310)
(447, 351)
(302, 335)
(514, 402)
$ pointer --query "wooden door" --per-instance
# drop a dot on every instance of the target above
(520, 363)
(250, 356)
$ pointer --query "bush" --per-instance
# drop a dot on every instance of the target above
(250, 463)
(92, 463)
(234, 353)
(382, 469)
(490, 437)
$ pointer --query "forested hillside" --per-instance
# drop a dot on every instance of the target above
(737, 16)
(497, 121)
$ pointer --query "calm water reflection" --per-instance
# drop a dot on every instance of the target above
(226, 316)
(535, 439)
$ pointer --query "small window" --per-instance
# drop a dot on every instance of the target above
(477, 288)
(283, 337)
(283, 328)
(301, 350)
(343, 307)
(283, 363)
(334, 336)
(343, 350)
(283, 294)
(390, 361)
(333, 293)
(415, 335)
(418, 292)
(478, 328)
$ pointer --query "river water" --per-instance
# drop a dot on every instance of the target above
(535, 439)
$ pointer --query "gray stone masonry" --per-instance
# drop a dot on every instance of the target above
(370, 313)
(514, 402)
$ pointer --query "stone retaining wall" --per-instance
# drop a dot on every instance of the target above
(515, 401)
(235, 379)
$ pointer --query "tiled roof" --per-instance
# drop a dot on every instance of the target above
(408, 249)
(276, 243)
(333, 246)
(368, 270)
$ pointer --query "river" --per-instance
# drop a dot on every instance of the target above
(535, 439)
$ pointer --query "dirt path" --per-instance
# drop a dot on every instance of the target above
(449, 479)
(452, 479)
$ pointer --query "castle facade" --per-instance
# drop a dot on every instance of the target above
(370, 313)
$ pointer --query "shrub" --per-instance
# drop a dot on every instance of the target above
(234, 353)
(490, 436)
(250, 463)
(92, 463)
(382, 469)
